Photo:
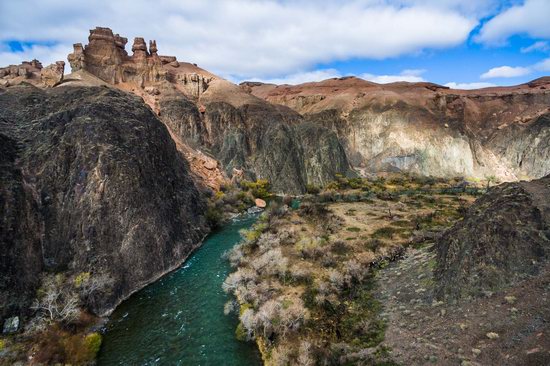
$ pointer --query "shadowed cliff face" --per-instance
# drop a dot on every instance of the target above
(262, 140)
(428, 129)
(91, 182)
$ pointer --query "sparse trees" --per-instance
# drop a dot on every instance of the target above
(56, 302)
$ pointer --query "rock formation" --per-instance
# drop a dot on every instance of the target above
(32, 72)
(208, 116)
(90, 181)
(504, 237)
(105, 56)
(428, 129)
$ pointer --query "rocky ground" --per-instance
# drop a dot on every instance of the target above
(511, 327)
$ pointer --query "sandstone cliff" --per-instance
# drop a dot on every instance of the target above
(90, 182)
(428, 129)
(32, 72)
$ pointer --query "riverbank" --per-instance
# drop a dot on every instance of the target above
(179, 319)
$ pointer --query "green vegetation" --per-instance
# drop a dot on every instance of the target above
(93, 343)
(259, 188)
(305, 284)
(233, 199)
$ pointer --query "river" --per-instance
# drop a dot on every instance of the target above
(179, 319)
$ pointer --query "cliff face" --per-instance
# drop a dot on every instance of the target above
(91, 182)
(221, 129)
(504, 236)
(428, 129)
(256, 139)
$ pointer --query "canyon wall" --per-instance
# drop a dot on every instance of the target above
(428, 129)
(91, 182)
(212, 118)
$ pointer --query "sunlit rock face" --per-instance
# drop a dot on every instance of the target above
(32, 72)
(428, 129)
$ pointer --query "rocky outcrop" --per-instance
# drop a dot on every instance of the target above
(259, 140)
(32, 72)
(90, 182)
(504, 237)
(105, 56)
(428, 129)
(53, 74)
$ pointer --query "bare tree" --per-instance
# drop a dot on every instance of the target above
(57, 303)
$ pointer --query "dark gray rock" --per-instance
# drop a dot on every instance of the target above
(503, 238)
(11, 325)
(266, 141)
(91, 182)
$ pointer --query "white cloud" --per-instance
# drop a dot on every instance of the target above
(302, 77)
(506, 72)
(529, 18)
(541, 46)
(45, 54)
(410, 75)
(474, 85)
(243, 38)
(544, 65)
(385, 79)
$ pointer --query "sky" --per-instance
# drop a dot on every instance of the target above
(458, 43)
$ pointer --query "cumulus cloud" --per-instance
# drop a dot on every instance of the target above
(474, 85)
(506, 72)
(44, 53)
(302, 77)
(544, 65)
(541, 46)
(243, 39)
(530, 18)
(412, 76)
(511, 72)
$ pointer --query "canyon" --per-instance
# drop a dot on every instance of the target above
(109, 172)
(426, 128)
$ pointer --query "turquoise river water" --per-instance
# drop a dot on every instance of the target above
(179, 319)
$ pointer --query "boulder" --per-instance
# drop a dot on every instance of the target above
(11, 325)
(260, 203)
(53, 74)
(503, 237)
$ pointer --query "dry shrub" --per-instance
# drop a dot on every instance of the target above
(57, 345)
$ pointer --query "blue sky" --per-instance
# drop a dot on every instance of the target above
(459, 43)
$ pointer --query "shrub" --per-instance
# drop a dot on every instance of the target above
(93, 343)
(385, 232)
(373, 244)
(259, 189)
(241, 334)
(2, 344)
(271, 263)
(239, 278)
(311, 247)
(300, 274)
(312, 189)
(339, 247)
(56, 301)
(353, 229)
(213, 216)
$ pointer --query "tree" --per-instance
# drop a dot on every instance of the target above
(56, 302)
